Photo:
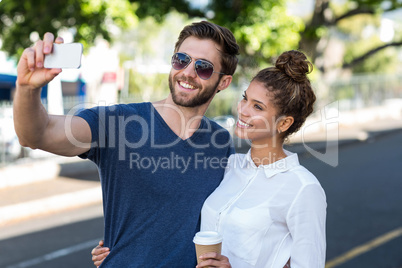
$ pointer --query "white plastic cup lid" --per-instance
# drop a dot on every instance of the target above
(207, 238)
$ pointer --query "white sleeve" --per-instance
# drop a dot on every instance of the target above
(306, 222)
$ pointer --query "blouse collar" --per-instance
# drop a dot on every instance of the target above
(282, 165)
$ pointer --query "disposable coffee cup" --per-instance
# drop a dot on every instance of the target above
(207, 241)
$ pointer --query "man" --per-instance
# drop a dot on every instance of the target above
(157, 161)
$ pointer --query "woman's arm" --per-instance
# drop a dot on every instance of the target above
(306, 222)
(99, 253)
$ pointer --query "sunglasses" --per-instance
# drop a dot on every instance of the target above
(203, 68)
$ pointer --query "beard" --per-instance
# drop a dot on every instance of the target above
(201, 98)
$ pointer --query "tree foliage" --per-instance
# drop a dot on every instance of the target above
(329, 19)
(263, 28)
(86, 19)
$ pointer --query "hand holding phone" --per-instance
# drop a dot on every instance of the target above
(64, 56)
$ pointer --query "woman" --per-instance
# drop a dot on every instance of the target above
(269, 209)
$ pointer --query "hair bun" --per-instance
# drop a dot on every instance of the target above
(295, 65)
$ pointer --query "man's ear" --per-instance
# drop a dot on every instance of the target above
(284, 123)
(224, 82)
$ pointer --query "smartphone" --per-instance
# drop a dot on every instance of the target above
(64, 56)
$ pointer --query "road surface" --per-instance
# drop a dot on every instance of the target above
(364, 223)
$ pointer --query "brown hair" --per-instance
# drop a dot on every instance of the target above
(289, 87)
(220, 35)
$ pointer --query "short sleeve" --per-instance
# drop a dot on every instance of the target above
(96, 119)
(306, 221)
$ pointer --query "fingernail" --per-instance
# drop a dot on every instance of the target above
(46, 49)
(39, 64)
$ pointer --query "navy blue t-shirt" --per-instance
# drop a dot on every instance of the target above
(153, 183)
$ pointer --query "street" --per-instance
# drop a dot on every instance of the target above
(363, 224)
(364, 200)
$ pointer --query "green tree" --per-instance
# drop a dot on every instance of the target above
(262, 28)
(329, 19)
(87, 19)
(143, 56)
(362, 32)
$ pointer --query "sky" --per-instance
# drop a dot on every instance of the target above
(300, 8)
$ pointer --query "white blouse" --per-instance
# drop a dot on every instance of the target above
(268, 214)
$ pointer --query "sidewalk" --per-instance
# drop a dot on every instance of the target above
(61, 183)
(48, 186)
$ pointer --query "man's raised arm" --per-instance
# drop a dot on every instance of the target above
(35, 128)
